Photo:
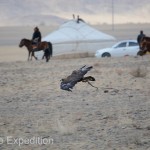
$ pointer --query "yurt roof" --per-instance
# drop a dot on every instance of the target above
(72, 31)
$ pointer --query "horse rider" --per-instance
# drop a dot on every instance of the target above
(36, 37)
(140, 36)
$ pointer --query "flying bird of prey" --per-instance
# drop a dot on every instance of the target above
(76, 76)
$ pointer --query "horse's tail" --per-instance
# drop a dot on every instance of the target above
(50, 49)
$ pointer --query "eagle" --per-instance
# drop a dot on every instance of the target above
(76, 76)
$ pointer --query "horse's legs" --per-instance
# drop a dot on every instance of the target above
(33, 55)
(48, 58)
(29, 55)
(43, 54)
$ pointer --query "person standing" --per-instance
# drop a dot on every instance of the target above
(140, 36)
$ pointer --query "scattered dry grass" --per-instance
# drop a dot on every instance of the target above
(119, 71)
(140, 71)
(96, 65)
(65, 127)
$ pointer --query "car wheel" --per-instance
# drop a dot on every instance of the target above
(106, 55)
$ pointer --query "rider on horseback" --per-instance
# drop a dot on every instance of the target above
(36, 37)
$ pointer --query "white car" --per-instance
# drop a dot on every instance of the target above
(122, 48)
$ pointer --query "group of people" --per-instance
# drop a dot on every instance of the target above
(36, 37)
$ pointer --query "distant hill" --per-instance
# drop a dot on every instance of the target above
(54, 12)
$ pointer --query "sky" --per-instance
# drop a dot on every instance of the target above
(28, 12)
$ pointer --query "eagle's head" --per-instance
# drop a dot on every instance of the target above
(62, 80)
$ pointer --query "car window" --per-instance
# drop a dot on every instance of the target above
(121, 45)
(133, 44)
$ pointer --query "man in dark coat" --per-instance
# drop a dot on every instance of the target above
(140, 36)
(36, 37)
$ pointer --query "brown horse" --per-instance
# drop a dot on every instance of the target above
(45, 46)
(144, 46)
(145, 38)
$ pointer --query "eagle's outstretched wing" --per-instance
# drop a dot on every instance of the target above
(76, 76)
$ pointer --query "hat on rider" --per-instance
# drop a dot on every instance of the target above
(36, 28)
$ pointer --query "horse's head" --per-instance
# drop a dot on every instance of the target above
(22, 43)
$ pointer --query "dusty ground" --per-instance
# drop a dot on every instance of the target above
(35, 111)
(115, 117)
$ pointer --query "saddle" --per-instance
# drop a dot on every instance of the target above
(35, 43)
(36, 40)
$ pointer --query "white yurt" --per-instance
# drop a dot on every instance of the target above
(77, 36)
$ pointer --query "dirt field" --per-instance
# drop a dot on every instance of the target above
(35, 114)
(117, 116)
